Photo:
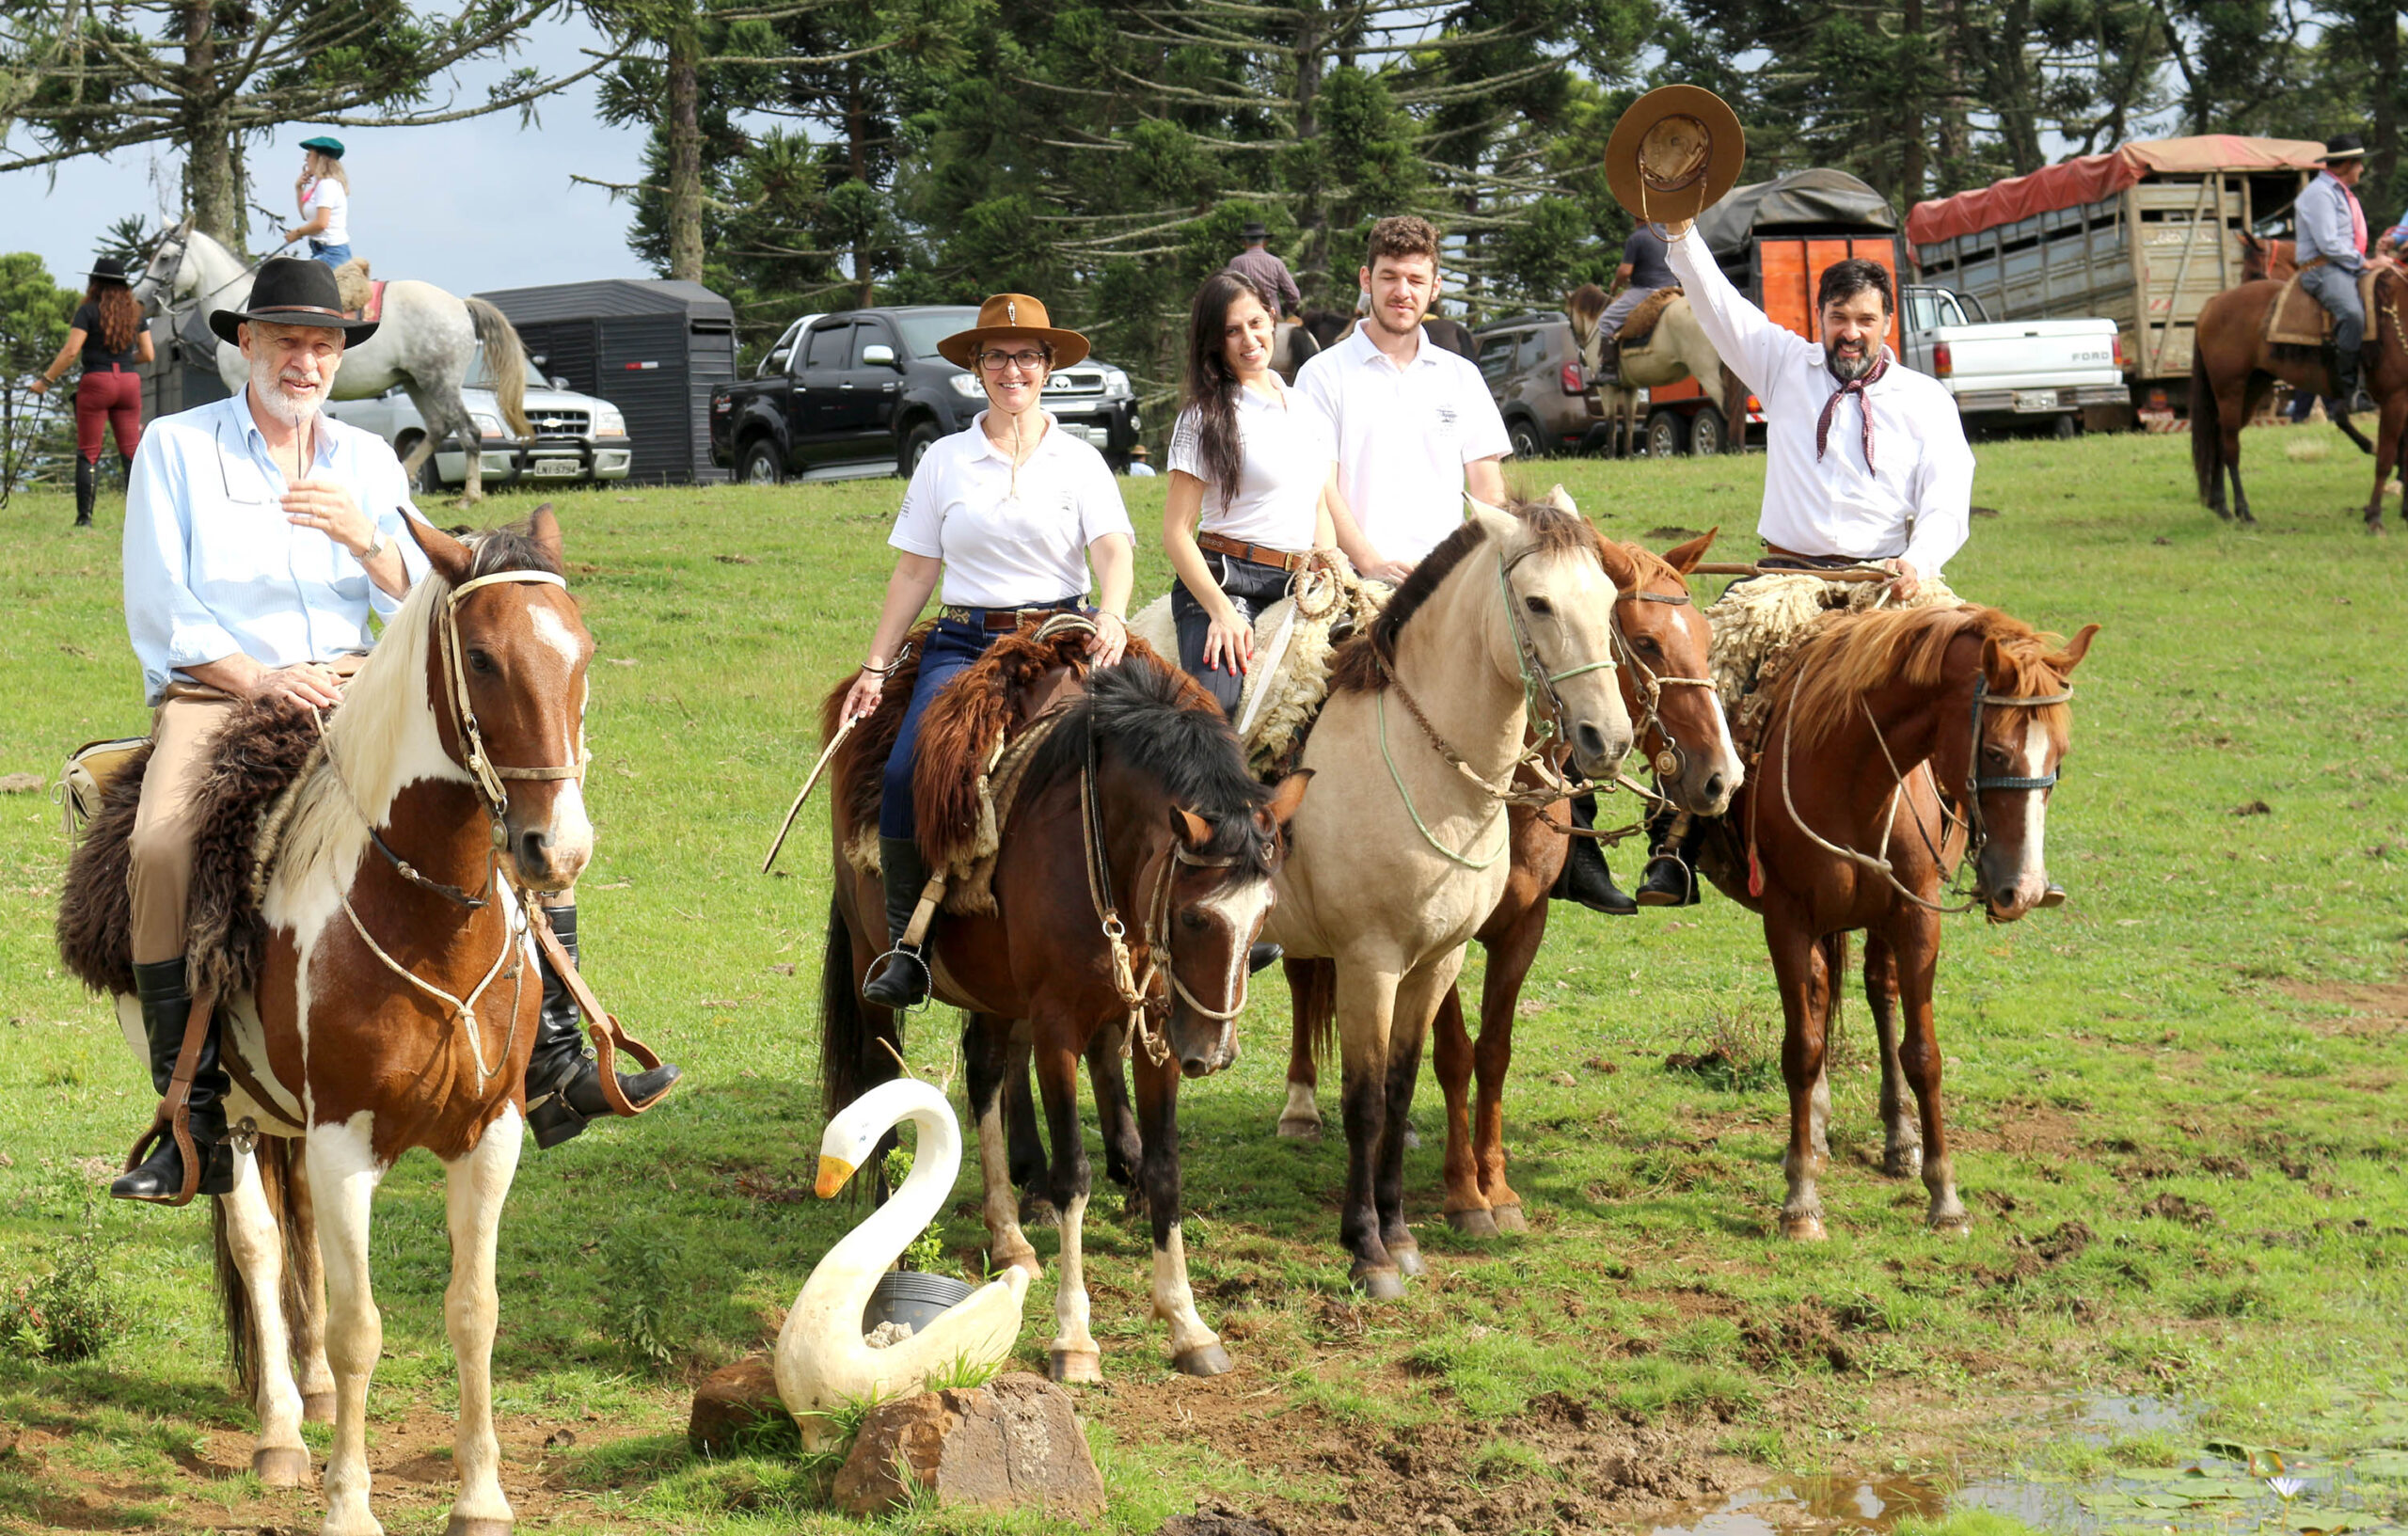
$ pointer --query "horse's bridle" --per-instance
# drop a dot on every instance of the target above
(1976, 781)
(1673, 760)
(490, 776)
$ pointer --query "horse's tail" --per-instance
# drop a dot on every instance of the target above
(853, 1060)
(1312, 990)
(1834, 948)
(283, 1186)
(505, 361)
(2207, 431)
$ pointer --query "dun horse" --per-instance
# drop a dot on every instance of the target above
(1504, 628)
(2233, 369)
(1662, 641)
(426, 342)
(1135, 815)
(1675, 348)
(1898, 744)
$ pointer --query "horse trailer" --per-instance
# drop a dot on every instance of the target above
(653, 349)
(2144, 235)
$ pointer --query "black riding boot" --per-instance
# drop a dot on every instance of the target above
(902, 982)
(1671, 877)
(2345, 390)
(1586, 879)
(84, 471)
(165, 1008)
(563, 1082)
(1609, 361)
(1259, 956)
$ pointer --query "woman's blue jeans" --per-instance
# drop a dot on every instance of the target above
(951, 646)
(333, 256)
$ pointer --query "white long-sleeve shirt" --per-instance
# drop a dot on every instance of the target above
(1915, 501)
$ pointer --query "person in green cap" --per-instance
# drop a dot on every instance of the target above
(324, 194)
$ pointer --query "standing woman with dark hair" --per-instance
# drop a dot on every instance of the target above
(108, 334)
(1252, 467)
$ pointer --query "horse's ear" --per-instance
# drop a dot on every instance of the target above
(450, 559)
(1685, 559)
(547, 531)
(1994, 666)
(1501, 526)
(1189, 827)
(1619, 567)
(1288, 796)
(2078, 647)
(1560, 499)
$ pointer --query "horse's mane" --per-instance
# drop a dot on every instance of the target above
(1361, 665)
(1861, 653)
(1153, 719)
(1652, 566)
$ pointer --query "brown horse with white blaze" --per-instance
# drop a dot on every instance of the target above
(1899, 743)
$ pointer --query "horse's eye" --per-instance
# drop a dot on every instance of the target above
(1192, 923)
(1539, 606)
(1647, 643)
(480, 661)
(1995, 752)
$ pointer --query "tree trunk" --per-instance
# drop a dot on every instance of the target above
(859, 157)
(213, 177)
(1911, 168)
(685, 209)
(2383, 154)
(1316, 279)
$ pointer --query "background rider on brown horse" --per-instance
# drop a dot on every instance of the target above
(1865, 460)
(2332, 231)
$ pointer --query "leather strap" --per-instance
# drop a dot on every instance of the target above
(174, 1118)
(609, 1037)
(1258, 554)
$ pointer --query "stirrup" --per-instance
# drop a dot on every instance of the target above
(1651, 897)
(2054, 897)
(928, 977)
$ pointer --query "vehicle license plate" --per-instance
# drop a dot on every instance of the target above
(570, 466)
(2036, 400)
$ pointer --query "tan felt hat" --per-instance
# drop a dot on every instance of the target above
(1675, 153)
(1012, 317)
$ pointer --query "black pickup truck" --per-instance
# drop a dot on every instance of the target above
(864, 392)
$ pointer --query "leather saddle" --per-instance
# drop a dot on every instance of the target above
(1638, 326)
(363, 297)
(2297, 319)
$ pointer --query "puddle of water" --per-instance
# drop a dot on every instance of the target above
(2217, 1486)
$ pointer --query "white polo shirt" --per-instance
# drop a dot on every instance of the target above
(1285, 453)
(326, 195)
(1009, 540)
(1402, 437)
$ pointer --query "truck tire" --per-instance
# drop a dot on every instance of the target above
(1523, 434)
(1706, 436)
(916, 443)
(1667, 434)
(2065, 427)
(760, 464)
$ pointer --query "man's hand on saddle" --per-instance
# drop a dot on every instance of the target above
(1229, 645)
(1110, 639)
(1905, 583)
(307, 684)
(326, 506)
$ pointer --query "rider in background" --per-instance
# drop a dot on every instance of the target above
(1642, 273)
(108, 334)
(323, 192)
(1269, 275)
(2332, 231)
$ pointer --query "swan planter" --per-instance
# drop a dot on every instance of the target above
(822, 1359)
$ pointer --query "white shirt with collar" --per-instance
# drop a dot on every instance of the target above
(1915, 499)
(1402, 437)
(1284, 457)
(1010, 540)
(213, 565)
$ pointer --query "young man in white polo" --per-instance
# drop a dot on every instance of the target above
(1415, 429)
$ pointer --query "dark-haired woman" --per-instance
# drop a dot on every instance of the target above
(108, 334)
(1250, 468)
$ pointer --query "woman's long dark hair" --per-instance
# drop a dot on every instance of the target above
(120, 311)
(1211, 388)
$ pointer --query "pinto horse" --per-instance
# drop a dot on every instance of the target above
(1662, 641)
(2233, 369)
(1135, 815)
(1899, 743)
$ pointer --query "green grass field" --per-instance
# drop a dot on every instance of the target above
(2176, 1099)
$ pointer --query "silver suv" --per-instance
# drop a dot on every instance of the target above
(579, 438)
(1533, 371)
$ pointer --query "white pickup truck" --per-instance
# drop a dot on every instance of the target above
(2035, 373)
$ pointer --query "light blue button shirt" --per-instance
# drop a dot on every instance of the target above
(2325, 227)
(213, 565)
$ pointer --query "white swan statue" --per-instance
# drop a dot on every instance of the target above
(821, 1358)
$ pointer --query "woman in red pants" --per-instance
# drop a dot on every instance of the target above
(108, 334)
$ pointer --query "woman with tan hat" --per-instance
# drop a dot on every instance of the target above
(1010, 513)
(108, 335)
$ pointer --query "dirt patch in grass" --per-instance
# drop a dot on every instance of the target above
(2375, 1008)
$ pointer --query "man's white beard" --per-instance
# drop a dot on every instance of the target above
(267, 389)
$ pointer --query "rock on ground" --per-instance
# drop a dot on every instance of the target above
(1013, 1443)
(731, 1401)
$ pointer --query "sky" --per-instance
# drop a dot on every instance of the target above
(468, 206)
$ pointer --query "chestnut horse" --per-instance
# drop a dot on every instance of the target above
(2233, 369)
(1662, 640)
(1899, 743)
(395, 1008)
(1135, 815)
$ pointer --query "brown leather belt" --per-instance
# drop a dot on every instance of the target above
(1259, 554)
(1827, 561)
(2312, 265)
(997, 620)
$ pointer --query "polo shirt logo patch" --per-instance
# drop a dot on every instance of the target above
(1446, 418)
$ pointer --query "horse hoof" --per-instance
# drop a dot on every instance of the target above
(317, 1407)
(1412, 1139)
(460, 1524)
(1408, 1261)
(1509, 1218)
(1903, 1162)
(1210, 1360)
(1803, 1229)
(1076, 1368)
(1036, 1211)
(1956, 1225)
(1299, 1129)
(282, 1466)
(1380, 1285)
(1473, 1222)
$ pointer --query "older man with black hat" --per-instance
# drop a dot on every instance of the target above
(2332, 231)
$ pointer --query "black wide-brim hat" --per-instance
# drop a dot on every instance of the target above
(2344, 147)
(108, 269)
(1674, 153)
(294, 291)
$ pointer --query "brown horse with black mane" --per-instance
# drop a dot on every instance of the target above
(2234, 367)
(1898, 744)
(1131, 874)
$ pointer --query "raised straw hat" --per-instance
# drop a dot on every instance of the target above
(1674, 153)
(1012, 317)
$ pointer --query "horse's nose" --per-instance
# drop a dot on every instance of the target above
(1591, 742)
(1716, 788)
(534, 848)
